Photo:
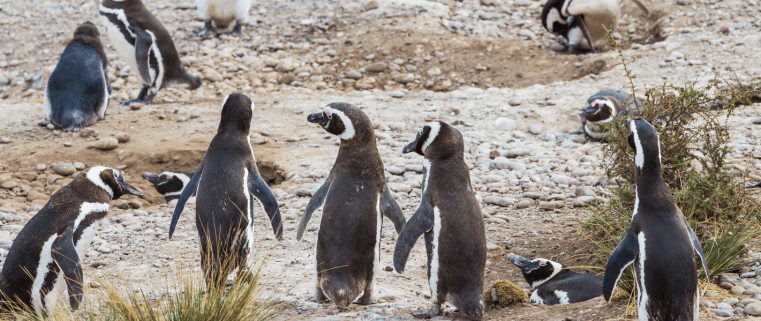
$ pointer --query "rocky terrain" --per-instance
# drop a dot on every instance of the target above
(486, 66)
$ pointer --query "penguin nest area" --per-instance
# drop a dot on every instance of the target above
(488, 67)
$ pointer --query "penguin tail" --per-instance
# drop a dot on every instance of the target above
(192, 81)
(342, 289)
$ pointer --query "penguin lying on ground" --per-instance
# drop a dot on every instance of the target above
(659, 241)
(170, 184)
(450, 218)
(222, 13)
(554, 285)
(754, 185)
(602, 108)
(582, 22)
(143, 42)
(355, 197)
(225, 182)
(45, 259)
(76, 94)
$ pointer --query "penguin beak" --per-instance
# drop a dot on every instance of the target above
(153, 178)
(319, 118)
(519, 261)
(127, 188)
(411, 146)
(589, 109)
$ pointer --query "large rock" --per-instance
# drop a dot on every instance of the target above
(753, 309)
(106, 143)
(35, 195)
(64, 169)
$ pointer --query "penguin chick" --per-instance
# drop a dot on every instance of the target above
(582, 22)
(602, 108)
(553, 284)
(222, 13)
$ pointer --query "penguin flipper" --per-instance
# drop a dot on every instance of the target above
(187, 192)
(263, 193)
(65, 255)
(698, 248)
(419, 223)
(585, 31)
(143, 43)
(316, 202)
(390, 208)
(624, 255)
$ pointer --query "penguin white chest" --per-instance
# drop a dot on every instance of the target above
(125, 50)
(223, 12)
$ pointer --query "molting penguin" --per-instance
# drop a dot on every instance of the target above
(602, 108)
(554, 285)
(451, 220)
(659, 241)
(170, 183)
(143, 42)
(582, 22)
(224, 183)
(45, 259)
(222, 12)
(355, 195)
(76, 94)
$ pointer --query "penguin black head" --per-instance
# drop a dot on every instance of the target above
(87, 28)
(112, 181)
(436, 140)
(647, 148)
(536, 271)
(345, 121)
(601, 110)
(237, 110)
(553, 18)
(169, 183)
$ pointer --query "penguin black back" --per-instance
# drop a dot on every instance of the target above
(553, 283)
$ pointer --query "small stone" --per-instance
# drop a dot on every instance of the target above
(88, 132)
(377, 67)
(707, 304)
(389, 268)
(757, 121)
(731, 301)
(371, 5)
(106, 143)
(524, 204)
(396, 94)
(41, 167)
(683, 2)
(393, 170)
(5, 140)
(491, 246)
(135, 204)
(496, 200)
(122, 137)
(726, 285)
(548, 206)
(583, 201)
(64, 169)
(737, 290)
(494, 154)
(748, 275)
(753, 309)
(79, 166)
(353, 74)
(212, 75)
(535, 129)
(9, 185)
(136, 106)
(724, 306)
(724, 313)
(514, 101)
(302, 192)
(35, 195)
(434, 71)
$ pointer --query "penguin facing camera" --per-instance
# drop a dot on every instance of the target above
(659, 241)
(76, 94)
(450, 219)
(222, 13)
(45, 259)
(354, 199)
(603, 107)
(170, 184)
(552, 284)
(142, 41)
(224, 184)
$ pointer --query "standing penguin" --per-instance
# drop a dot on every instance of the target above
(603, 107)
(76, 94)
(224, 183)
(659, 241)
(355, 195)
(45, 259)
(582, 22)
(143, 42)
(554, 284)
(222, 12)
(451, 220)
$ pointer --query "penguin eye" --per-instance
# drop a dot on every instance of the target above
(327, 114)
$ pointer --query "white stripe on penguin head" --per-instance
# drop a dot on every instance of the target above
(435, 127)
(552, 17)
(94, 176)
(609, 104)
(639, 156)
(348, 126)
(224, 102)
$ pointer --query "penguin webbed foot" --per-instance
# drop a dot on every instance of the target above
(319, 296)
(237, 30)
(433, 311)
(207, 30)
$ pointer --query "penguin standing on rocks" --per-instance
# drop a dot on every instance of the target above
(170, 183)
(45, 259)
(450, 218)
(224, 184)
(77, 91)
(355, 197)
(143, 42)
(553, 284)
(222, 13)
(659, 241)
(581, 22)
(602, 108)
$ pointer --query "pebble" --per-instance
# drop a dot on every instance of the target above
(106, 143)
(524, 204)
(35, 195)
(753, 309)
(731, 301)
(396, 94)
(9, 185)
(707, 304)
(756, 121)
(496, 200)
(123, 137)
(5, 140)
(724, 306)
(737, 290)
(88, 132)
(514, 101)
(583, 201)
(724, 313)
(64, 169)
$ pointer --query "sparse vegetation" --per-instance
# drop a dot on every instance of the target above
(506, 293)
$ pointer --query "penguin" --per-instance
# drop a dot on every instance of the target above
(143, 42)
(659, 241)
(224, 184)
(45, 259)
(553, 284)
(582, 22)
(76, 95)
(602, 108)
(450, 218)
(170, 183)
(222, 13)
(754, 185)
(354, 198)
